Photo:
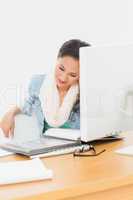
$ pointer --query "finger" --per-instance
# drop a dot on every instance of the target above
(12, 130)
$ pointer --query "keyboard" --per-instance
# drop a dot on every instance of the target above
(63, 151)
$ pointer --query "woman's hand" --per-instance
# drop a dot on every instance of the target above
(8, 122)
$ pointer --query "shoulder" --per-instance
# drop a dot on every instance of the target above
(35, 83)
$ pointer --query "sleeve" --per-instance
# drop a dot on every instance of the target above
(32, 94)
(74, 118)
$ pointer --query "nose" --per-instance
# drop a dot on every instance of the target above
(64, 77)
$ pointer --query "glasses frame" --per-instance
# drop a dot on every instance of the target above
(80, 152)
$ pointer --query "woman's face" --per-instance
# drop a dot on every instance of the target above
(66, 72)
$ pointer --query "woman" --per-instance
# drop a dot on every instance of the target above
(55, 98)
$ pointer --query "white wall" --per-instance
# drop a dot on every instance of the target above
(31, 31)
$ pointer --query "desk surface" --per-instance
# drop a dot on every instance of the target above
(75, 178)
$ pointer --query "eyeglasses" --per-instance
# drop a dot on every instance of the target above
(80, 152)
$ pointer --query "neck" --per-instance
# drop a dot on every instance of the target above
(62, 91)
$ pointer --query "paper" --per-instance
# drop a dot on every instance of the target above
(5, 153)
(23, 171)
(4, 139)
(72, 134)
(126, 150)
(26, 127)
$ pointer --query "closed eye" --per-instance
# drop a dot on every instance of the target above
(62, 68)
(73, 75)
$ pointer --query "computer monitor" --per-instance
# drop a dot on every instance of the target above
(106, 90)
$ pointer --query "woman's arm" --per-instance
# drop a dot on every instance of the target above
(8, 121)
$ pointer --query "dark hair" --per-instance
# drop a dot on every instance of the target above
(71, 48)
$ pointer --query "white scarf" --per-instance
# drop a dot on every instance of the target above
(54, 114)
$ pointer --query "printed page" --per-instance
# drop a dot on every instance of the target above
(72, 134)
(4, 139)
(126, 150)
(23, 171)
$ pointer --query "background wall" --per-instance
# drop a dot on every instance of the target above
(31, 31)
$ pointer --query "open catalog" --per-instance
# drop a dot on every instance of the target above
(52, 140)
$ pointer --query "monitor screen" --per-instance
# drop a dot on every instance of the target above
(106, 90)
